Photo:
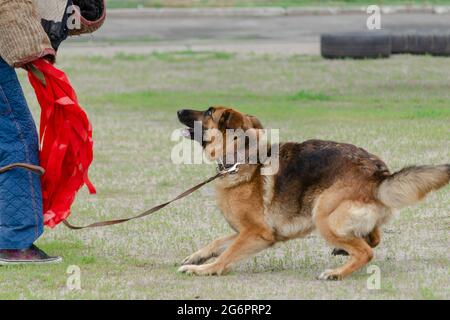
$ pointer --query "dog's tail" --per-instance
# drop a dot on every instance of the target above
(411, 184)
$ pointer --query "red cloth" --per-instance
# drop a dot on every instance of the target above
(66, 145)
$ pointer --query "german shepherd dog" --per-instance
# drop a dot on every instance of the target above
(338, 189)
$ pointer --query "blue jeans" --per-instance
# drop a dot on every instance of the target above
(21, 217)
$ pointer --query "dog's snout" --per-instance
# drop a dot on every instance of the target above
(188, 117)
(180, 113)
(185, 117)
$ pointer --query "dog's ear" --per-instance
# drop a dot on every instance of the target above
(231, 119)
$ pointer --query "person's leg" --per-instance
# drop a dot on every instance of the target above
(21, 216)
(20, 190)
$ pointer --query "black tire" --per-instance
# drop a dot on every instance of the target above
(357, 45)
(441, 45)
(399, 43)
(419, 43)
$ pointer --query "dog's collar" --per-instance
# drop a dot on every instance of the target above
(233, 168)
(228, 168)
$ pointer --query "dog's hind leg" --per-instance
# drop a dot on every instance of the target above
(246, 244)
(373, 239)
(340, 228)
(360, 254)
(214, 249)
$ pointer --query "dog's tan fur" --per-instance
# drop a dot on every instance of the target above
(411, 184)
(340, 190)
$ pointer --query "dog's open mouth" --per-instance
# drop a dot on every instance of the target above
(193, 129)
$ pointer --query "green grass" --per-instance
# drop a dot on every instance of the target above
(397, 108)
(260, 3)
(309, 96)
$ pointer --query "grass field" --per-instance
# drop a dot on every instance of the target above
(397, 108)
(261, 3)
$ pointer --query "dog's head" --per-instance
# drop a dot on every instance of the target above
(215, 119)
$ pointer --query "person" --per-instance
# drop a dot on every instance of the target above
(25, 35)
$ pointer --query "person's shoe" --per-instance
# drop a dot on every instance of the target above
(32, 255)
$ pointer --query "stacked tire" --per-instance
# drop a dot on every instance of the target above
(375, 44)
(356, 45)
(421, 43)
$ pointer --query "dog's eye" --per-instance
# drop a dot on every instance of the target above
(209, 112)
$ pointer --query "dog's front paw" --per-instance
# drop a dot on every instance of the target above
(188, 268)
(203, 270)
(194, 258)
(329, 274)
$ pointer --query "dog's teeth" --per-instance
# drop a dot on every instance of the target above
(185, 133)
